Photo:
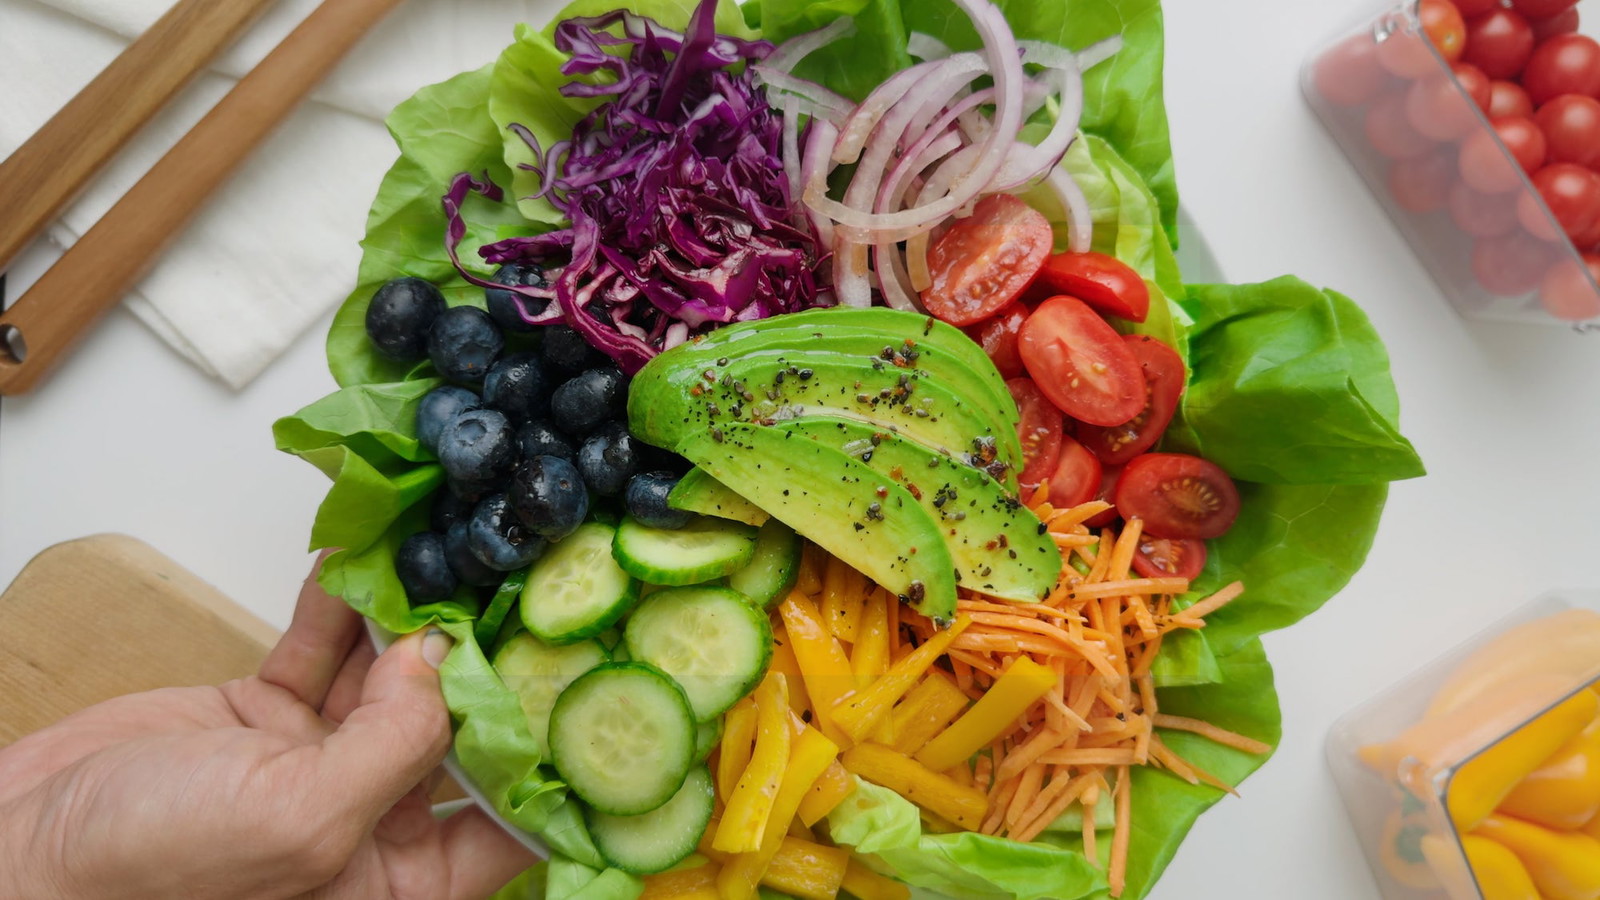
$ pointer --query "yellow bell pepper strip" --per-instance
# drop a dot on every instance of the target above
(811, 756)
(1017, 689)
(1565, 645)
(866, 884)
(931, 705)
(844, 594)
(733, 752)
(938, 794)
(830, 790)
(783, 660)
(859, 713)
(1494, 873)
(813, 563)
(749, 808)
(869, 658)
(1593, 828)
(801, 868)
(1479, 786)
(822, 662)
(1564, 792)
(698, 883)
(1565, 865)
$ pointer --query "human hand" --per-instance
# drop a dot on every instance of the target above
(309, 779)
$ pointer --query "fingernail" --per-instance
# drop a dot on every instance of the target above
(436, 646)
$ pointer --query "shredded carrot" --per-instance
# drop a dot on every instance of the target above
(1207, 730)
(1118, 876)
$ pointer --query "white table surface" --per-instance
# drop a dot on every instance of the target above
(129, 438)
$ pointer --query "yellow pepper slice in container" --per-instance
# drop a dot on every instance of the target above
(1564, 792)
(1479, 786)
(1499, 874)
(1565, 865)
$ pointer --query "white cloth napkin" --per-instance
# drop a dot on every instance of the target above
(277, 247)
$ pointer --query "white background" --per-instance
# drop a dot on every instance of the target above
(129, 438)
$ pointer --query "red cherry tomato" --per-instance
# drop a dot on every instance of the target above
(998, 338)
(986, 259)
(1080, 363)
(1565, 64)
(1571, 126)
(1390, 131)
(1438, 109)
(1568, 293)
(1510, 265)
(1561, 23)
(1106, 283)
(1471, 9)
(1178, 495)
(1499, 42)
(1571, 193)
(1039, 430)
(1164, 376)
(1444, 26)
(1159, 557)
(1348, 74)
(1422, 185)
(1507, 98)
(1076, 476)
(1108, 484)
(1484, 165)
(1474, 82)
(1482, 215)
(1542, 9)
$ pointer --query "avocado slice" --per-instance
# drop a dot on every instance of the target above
(839, 502)
(698, 492)
(998, 545)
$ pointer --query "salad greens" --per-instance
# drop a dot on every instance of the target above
(1313, 485)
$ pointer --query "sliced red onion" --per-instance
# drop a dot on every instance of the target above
(816, 164)
(850, 276)
(836, 106)
(791, 145)
(790, 52)
(927, 47)
(892, 281)
(1032, 162)
(1080, 224)
(1056, 56)
(861, 122)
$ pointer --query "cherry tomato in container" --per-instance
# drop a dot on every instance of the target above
(1159, 557)
(1511, 265)
(1164, 376)
(1039, 431)
(1406, 54)
(983, 262)
(1422, 185)
(1390, 132)
(1484, 165)
(1499, 42)
(1473, 8)
(1437, 108)
(1507, 98)
(1081, 363)
(1542, 9)
(1571, 126)
(1568, 290)
(998, 338)
(1076, 477)
(1565, 64)
(1474, 82)
(1482, 215)
(1108, 484)
(1106, 283)
(1561, 23)
(1178, 496)
(1589, 241)
(1571, 193)
(1348, 74)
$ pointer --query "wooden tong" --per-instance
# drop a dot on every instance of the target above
(43, 175)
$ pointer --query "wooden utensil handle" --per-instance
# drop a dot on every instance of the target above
(100, 268)
(47, 172)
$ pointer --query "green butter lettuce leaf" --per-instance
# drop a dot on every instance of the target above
(874, 818)
(1186, 659)
(852, 65)
(567, 878)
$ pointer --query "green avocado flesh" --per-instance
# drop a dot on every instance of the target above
(698, 492)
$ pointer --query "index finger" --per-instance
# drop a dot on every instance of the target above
(311, 652)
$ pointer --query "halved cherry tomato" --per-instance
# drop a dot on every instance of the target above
(1108, 484)
(986, 259)
(998, 338)
(1039, 431)
(1163, 377)
(1178, 495)
(1076, 478)
(1104, 282)
(1160, 557)
(1080, 363)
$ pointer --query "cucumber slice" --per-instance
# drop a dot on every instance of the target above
(704, 549)
(706, 736)
(499, 609)
(622, 737)
(711, 640)
(772, 571)
(576, 590)
(538, 672)
(659, 839)
(698, 492)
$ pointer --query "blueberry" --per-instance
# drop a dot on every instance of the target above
(646, 498)
(537, 437)
(448, 509)
(608, 459)
(548, 495)
(498, 539)
(589, 399)
(400, 316)
(566, 352)
(468, 492)
(477, 447)
(516, 386)
(468, 568)
(463, 343)
(437, 408)
(422, 568)
(503, 305)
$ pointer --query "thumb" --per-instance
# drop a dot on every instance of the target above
(398, 734)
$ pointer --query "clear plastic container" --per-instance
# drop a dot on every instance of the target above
(1428, 153)
(1398, 759)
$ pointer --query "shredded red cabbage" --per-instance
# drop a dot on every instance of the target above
(680, 209)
